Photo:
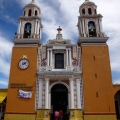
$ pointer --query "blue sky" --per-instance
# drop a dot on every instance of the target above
(56, 13)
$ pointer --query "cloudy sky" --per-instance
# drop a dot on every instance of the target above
(56, 13)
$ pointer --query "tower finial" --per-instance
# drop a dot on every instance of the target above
(33, 1)
(86, 0)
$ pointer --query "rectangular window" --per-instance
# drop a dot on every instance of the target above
(95, 75)
(59, 61)
(96, 94)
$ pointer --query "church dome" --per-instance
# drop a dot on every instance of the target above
(32, 9)
(88, 8)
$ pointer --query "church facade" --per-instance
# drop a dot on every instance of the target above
(60, 75)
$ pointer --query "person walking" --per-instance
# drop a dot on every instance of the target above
(60, 114)
(56, 113)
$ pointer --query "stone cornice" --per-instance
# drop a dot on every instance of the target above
(90, 16)
(27, 41)
(59, 74)
(29, 17)
(92, 40)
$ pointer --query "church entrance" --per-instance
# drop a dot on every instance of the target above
(59, 100)
(117, 104)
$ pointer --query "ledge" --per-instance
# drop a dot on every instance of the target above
(92, 40)
(27, 41)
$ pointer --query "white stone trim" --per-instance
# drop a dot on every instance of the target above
(58, 82)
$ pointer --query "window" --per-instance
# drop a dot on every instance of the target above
(24, 13)
(89, 11)
(92, 29)
(27, 30)
(59, 61)
(83, 11)
(95, 11)
(29, 13)
(35, 12)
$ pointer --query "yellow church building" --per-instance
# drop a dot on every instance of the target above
(60, 75)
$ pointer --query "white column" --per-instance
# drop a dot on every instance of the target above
(19, 26)
(78, 94)
(40, 94)
(51, 58)
(100, 24)
(38, 26)
(35, 26)
(70, 56)
(71, 93)
(46, 93)
(83, 27)
(67, 57)
(80, 27)
(48, 56)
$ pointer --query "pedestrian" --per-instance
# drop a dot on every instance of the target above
(56, 113)
(60, 114)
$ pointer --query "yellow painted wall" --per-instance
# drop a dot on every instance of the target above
(20, 117)
(116, 88)
(28, 76)
(100, 117)
(102, 84)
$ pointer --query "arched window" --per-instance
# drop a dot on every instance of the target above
(29, 13)
(89, 11)
(27, 30)
(92, 29)
(95, 11)
(83, 11)
(117, 102)
(24, 13)
(36, 13)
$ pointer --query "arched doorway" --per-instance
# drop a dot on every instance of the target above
(59, 100)
(117, 104)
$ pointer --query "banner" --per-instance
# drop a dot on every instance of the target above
(24, 94)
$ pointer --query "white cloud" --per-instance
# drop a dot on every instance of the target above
(116, 81)
(5, 55)
(3, 82)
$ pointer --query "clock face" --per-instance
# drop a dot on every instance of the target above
(23, 64)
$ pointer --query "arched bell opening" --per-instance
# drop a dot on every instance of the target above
(36, 13)
(95, 11)
(27, 30)
(24, 13)
(92, 29)
(59, 100)
(30, 12)
(117, 104)
(83, 11)
(89, 11)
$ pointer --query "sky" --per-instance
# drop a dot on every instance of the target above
(56, 13)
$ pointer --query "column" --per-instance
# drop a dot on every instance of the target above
(40, 94)
(80, 27)
(46, 93)
(35, 26)
(70, 56)
(83, 27)
(38, 28)
(19, 26)
(48, 56)
(78, 94)
(51, 59)
(100, 24)
(66, 57)
(71, 93)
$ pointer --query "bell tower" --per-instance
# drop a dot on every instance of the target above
(30, 23)
(21, 98)
(95, 61)
(90, 23)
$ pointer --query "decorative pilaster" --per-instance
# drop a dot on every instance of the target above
(48, 57)
(40, 94)
(67, 57)
(70, 56)
(78, 94)
(51, 58)
(71, 93)
(46, 93)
